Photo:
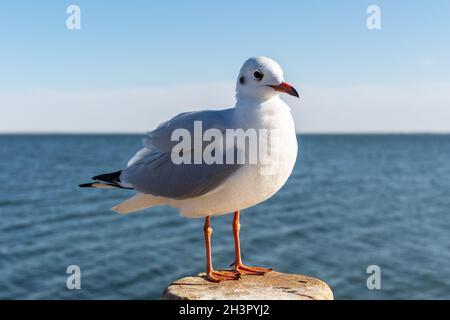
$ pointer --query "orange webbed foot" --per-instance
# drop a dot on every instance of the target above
(251, 270)
(224, 275)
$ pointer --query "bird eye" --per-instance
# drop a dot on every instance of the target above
(258, 75)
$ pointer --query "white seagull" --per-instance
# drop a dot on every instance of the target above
(205, 190)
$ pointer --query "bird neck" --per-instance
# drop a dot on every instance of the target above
(251, 102)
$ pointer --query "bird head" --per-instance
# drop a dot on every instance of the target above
(262, 78)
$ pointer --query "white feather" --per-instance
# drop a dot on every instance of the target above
(138, 202)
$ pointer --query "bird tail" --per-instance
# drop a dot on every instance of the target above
(138, 202)
(107, 180)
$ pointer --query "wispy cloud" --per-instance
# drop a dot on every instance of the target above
(321, 109)
(125, 110)
(428, 62)
(424, 108)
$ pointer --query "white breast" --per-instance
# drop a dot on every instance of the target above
(252, 184)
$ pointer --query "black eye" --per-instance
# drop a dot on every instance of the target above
(258, 75)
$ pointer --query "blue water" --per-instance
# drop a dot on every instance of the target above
(352, 201)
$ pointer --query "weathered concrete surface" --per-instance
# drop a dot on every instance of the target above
(272, 286)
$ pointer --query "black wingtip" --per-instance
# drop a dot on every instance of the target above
(86, 185)
(109, 177)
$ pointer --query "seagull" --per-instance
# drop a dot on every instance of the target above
(201, 189)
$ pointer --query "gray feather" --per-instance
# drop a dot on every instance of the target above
(152, 170)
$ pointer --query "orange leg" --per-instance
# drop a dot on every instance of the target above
(238, 265)
(215, 276)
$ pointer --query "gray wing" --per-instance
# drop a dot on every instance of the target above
(152, 170)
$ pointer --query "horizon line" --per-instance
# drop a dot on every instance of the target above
(297, 133)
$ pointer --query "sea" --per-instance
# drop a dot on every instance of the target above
(367, 214)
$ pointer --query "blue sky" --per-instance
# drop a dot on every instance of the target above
(141, 51)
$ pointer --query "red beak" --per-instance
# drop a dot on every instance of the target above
(286, 88)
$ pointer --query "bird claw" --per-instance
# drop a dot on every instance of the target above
(224, 275)
(251, 270)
